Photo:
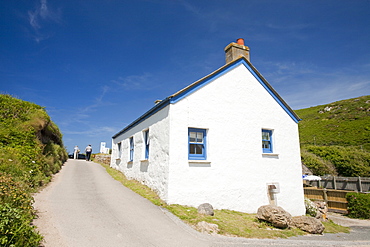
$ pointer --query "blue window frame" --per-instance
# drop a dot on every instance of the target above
(197, 144)
(266, 141)
(146, 143)
(131, 148)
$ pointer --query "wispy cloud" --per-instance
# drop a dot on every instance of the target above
(134, 82)
(39, 16)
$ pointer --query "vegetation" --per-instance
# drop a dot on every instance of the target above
(230, 223)
(335, 138)
(31, 150)
(358, 205)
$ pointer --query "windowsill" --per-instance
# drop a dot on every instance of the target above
(270, 154)
(118, 158)
(130, 162)
(144, 160)
(200, 161)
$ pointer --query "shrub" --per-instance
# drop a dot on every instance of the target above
(311, 208)
(358, 205)
(316, 164)
(16, 229)
(348, 161)
(16, 214)
(31, 150)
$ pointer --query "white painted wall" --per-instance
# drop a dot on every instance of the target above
(154, 171)
(233, 108)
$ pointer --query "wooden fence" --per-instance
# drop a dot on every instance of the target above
(359, 184)
(335, 199)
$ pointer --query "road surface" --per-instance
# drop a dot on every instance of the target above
(85, 206)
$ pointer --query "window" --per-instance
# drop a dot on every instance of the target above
(197, 144)
(131, 148)
(266, 141)
(119, 150)
(146, 143)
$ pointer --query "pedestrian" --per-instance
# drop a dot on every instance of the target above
(75, 152)
(88, 151)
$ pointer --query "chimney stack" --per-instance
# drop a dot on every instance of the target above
(235, 50)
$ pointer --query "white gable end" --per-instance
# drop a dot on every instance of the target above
(234, 108)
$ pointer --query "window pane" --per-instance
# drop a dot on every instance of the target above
(196, 149)
(265, 135)
(199, 149)
(193, 136)
(266, 144)
(192, 148)
(199, 137)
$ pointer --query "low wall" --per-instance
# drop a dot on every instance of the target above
(102, 158)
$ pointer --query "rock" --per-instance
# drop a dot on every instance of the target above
(206, 209)
(322, 210)
(206, 227)
(276, 215)
(308, 224)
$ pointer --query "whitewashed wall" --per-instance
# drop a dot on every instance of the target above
(154, 171)
(234, 108)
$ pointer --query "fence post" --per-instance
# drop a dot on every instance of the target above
(359, 183)
(324, 191)
(334, 183)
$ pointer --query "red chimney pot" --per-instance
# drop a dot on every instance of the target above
(240, 41)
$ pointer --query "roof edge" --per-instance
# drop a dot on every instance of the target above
(146, 115)
(201, 82)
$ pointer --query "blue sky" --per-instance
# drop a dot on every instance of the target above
(98, 65)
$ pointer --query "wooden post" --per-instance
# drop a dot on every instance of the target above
(324, 191)
(359, 183)
(334, 183)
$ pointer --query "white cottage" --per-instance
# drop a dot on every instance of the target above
(228, 139)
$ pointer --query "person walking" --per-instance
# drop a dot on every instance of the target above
(88, 151)
(75, 152)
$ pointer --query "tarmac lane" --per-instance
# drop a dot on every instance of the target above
(85, 206)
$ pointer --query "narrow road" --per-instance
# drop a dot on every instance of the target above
(85, 207)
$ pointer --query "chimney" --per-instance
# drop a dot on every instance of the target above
(235, 50)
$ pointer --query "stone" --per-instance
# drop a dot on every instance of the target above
(276, 215)
(308, 224)
(322, 210)
(205, 227)
(206, 209)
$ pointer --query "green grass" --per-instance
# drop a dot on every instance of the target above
(230, 223)
(343, 123)
(31, 150)
(335, 138)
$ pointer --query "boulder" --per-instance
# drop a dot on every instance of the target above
(308, 224)
(276, 215)
(206, 209)
(206, 227)
(322, 210)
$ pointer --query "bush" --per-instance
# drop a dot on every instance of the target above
(358, 205)
(31, 150)
(316, 164)
(16, 229)
(311, 208)
(16, 214)
(348, 161)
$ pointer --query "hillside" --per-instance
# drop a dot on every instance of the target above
(335, 138)
(31, 150)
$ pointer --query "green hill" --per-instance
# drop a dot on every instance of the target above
(335, 138)
(31, 150)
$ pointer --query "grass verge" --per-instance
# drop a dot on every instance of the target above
(230, 223)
